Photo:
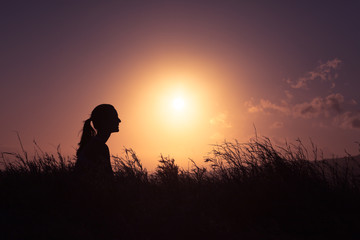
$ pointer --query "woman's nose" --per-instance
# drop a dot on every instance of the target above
(119, 120)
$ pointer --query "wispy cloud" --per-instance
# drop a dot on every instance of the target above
(353, 102)
(323, 72)
(332, 106)
(277, 125)
(217, 136)
(221, 120)
(348, 120)
(266, 106)
(288, 94)
(319, 106)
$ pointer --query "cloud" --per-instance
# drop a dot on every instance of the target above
(330, 105)
(353, 102)
(265, 106)
(277, 125)
(327, 106)
(217, 136)
(221, 120)
(324, 72)
(289, 95)
(348, 120)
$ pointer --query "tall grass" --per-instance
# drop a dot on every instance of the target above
(251, 190)
(237, 162)
(259, 159)
(40, 163)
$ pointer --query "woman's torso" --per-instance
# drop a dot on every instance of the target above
(94, 159)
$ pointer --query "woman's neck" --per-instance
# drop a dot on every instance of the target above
(103, 136)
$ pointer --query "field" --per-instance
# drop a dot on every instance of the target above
(251, 190)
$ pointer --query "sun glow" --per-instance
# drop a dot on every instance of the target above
(171, 110)
(177, 107)
(178, 103)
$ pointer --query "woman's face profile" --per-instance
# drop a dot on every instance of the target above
(105, 118)
(114, 122)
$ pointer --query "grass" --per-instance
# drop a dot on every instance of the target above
(251, 190)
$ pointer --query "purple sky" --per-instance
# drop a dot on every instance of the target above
(292, 69)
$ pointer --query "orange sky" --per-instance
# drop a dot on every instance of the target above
(235, 65)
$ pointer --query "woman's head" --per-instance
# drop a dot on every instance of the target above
(104, 119)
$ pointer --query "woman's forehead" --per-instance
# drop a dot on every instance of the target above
(114, 112)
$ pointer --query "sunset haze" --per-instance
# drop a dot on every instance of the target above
(182, 74)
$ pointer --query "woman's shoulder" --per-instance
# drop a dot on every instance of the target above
(95, 141)
(95, 144)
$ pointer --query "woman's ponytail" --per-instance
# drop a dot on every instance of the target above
(87, 133)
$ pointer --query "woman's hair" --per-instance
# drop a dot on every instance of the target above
(98, 117)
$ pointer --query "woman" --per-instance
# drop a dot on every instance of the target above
(93, 157)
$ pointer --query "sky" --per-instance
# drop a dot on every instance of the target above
(183, 75)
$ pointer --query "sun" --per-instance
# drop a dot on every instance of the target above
(178, 103)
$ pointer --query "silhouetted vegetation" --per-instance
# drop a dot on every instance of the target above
(251, 190)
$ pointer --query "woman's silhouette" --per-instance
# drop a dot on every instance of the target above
(93, 157)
